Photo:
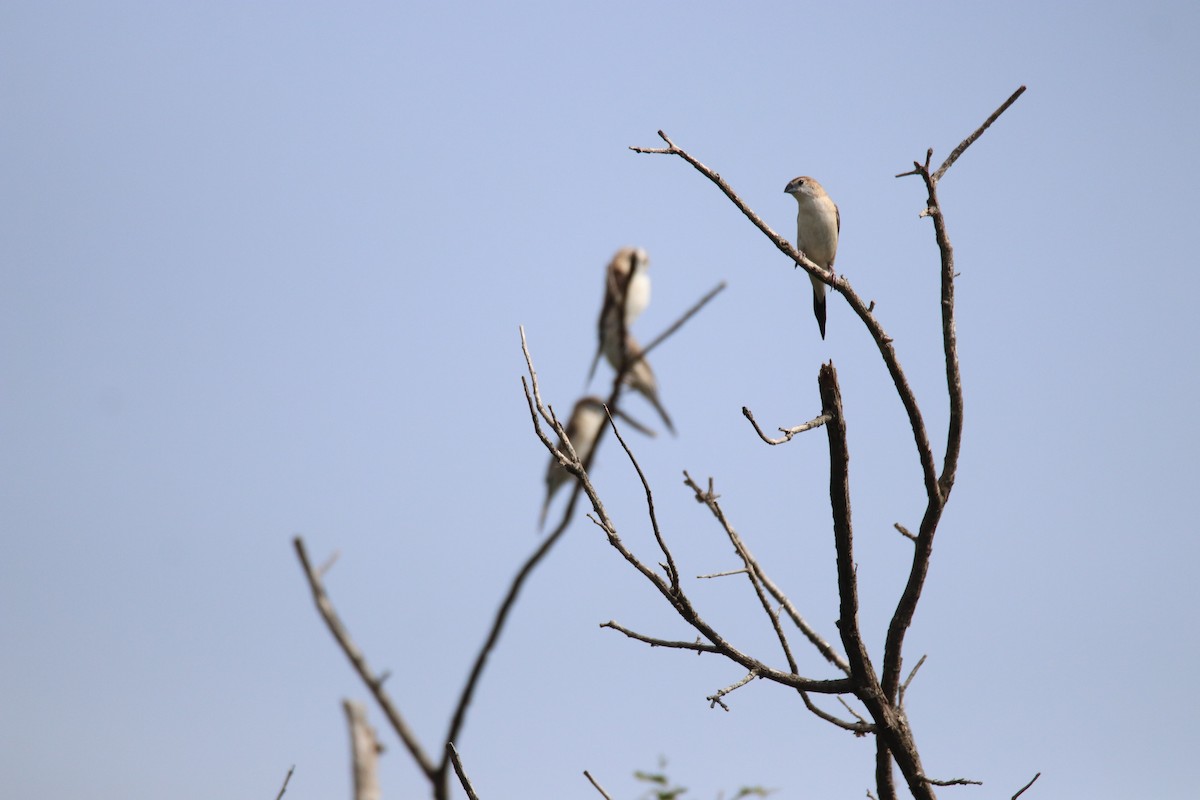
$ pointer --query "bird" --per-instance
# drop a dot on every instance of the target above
(639, 376)
(818, 223)
(587, 418)
(627, 288)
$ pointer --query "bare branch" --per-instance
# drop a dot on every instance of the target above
(788, 433)
(715, 700)
(857, 728)
(837, 686)
(938, 495)
(885, 781)
(452, 754)
(904, 531)
(599, 788)
(843, 537)
(894, 738)
(672, 572)
(359, 662)
(286, 778)
(909, 679)
(698, 646)
(731, 572)
(677, 324)
(1026, 786)
(327, 565)
(744, 554)
(364, 752)
(709, 498)
(853, 713)
(953, 782)
(958, 151)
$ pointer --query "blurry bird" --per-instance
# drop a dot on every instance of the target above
(626, 287)
(639, 376)
(587, 418)
(818, 223)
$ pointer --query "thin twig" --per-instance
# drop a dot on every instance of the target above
(751, 573)
(741, 571)
(672, 572)
(857, 728)
(909, 679)
(599, 788)
(288, 777)
(958, 151)
(1021, 791)
(697, 646)
(953, 782)
(709, 498)
(853, 713)
(715, 700)
(452, 753)
(677, 324)
(788, 433)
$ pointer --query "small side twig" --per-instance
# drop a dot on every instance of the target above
(599, 788)
(958, 151)
(953, 782)
(677, 324)
(788, 433)
(909, 679)
(715, 700)
(709, 498)
(672, 572)
(452, 754)
(1021, 791)
(287, 778)
(698, 646)
(742, 571)
(857, 728)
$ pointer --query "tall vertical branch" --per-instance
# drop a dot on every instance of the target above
(906, 606)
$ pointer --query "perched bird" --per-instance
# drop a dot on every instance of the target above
(639, 376)
(587, 418)
(626, 288)
(818, 223)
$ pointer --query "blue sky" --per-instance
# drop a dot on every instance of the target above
(263, 267)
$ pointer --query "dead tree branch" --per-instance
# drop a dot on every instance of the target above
(359, 662)
(364, 752)
(882, 694)
(452, 754)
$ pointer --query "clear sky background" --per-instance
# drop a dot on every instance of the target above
(262, 268)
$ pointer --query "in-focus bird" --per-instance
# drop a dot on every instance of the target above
(626, 287)
(818, 223)
(639, 376)
(587, 418)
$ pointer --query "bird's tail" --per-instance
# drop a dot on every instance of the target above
(662, 412)
(819, 305)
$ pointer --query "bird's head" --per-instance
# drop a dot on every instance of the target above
(804, 186)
